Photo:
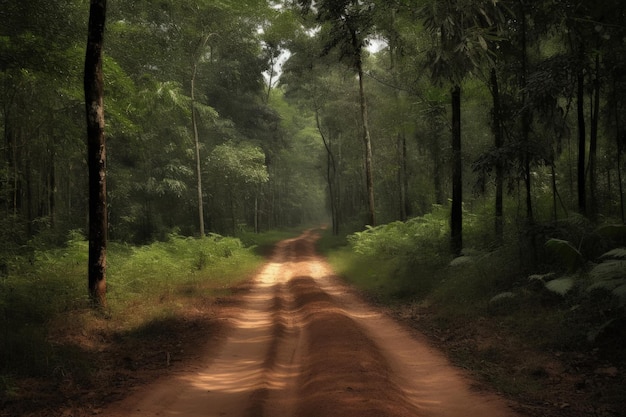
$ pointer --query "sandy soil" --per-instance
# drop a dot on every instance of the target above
(302, 344)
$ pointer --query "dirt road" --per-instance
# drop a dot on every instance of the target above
(303, 345)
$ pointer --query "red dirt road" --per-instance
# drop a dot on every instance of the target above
(304, 345)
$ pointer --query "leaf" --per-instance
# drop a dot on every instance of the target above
(560, 286)
(618, 253)
(612, 231)
(608, 270)
(568, 254)
(483, 43)
(541, 277)
(606, 284)
(502, 296)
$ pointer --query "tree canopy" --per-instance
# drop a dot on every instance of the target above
(269, 114)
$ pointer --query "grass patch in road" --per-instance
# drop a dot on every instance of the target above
(263, 243)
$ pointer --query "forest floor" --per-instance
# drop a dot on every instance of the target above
(294, 341)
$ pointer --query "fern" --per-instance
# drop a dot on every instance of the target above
(561, 286)
(609, 270)
(619, 253)
(503, 296)
(417, 237)
(610, 274)
(612, 231)
(541, 277)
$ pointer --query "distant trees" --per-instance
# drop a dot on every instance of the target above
(346, 25)
(238, 171)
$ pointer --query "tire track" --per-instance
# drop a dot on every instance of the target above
(344, 373)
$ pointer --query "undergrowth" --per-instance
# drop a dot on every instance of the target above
(408, 267)
(45, 295)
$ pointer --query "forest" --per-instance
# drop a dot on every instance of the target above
(462, 154)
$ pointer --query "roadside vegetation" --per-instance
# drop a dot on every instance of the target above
(543, 323)
(53, 342)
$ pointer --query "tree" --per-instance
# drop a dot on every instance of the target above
(96, 153)
(460, 30)
(196, 139)
(347, 25)
(239, 170)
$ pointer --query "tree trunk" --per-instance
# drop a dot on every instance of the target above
(257, 229)
(582, 197)
(52, 188)
(618, 142)
(196, 141)
(456, 214)
(620, 182)
(96, 153)
(369, 178)
(403, 181)
(270, 80)
(331, 173)
(593, 142)
(526, 119)
(499, 142)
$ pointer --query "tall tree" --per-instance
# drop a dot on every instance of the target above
(347, 26)
(196, 138)
(499, 143)
(96, 153)
(460, 30)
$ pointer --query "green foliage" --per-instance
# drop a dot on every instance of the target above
(612, 231)
(561, 285)
(610, 274)
(418, 238)
(47, 289)
(263, 243)
(162, 266)
(239, 164)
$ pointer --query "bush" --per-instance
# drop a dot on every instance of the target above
(45, 296)
(418, 238)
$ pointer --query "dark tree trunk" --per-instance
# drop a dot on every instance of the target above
(618, 142)
(331, 173)
(526, 120)
(620, 182)
(499, 142)
(96, 153)
(52, 186)
(456, 214)
(582, 196)
(403, 180)
(593, 142)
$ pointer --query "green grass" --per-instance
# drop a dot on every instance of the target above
(262, 243)
(45, 296)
